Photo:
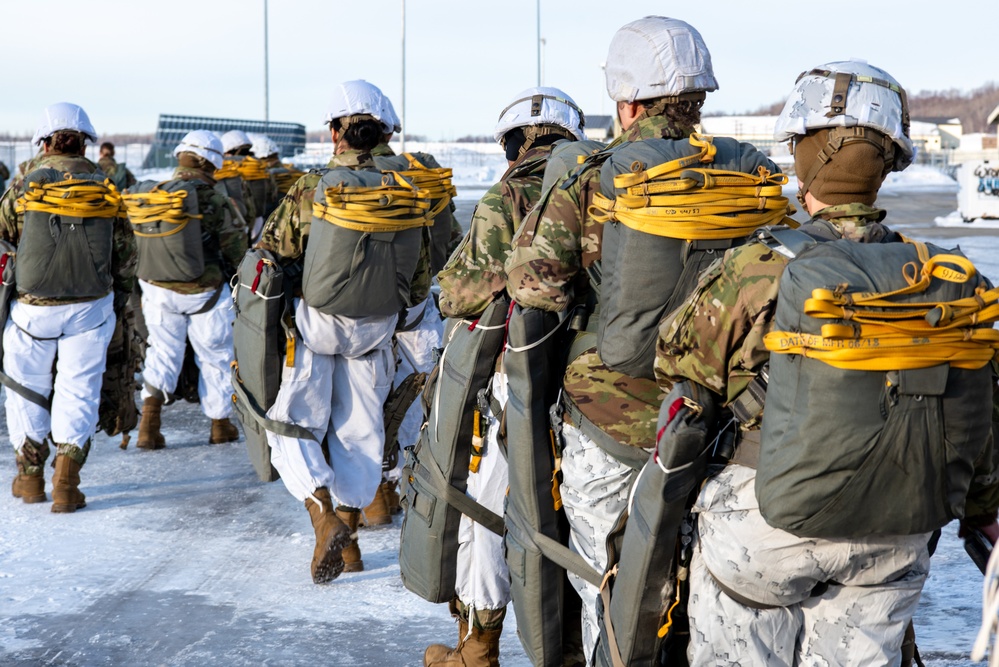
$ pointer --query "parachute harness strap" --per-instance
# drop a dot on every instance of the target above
(679, 200)
(158, 206)
(435, 181)
(876, 333)
(75, 197)
(391, 207)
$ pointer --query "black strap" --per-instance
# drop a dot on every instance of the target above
(24, 392)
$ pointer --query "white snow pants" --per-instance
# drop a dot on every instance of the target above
(337, 389)
(860, 619)
(75, 338)
(483, 579)
(416, 354)
(595, 488)
(171, 321)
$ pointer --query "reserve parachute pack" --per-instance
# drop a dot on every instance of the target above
(256, 175)
(264, 341)
(670, 208)
(435, 475)
(166, 222)
(65, 245)
(879, 398)
(423, 171)
(364, 243)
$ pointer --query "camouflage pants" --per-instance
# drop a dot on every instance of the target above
(595, 488)
(873, 587)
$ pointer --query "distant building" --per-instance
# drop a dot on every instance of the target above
(599, 128)
(757, 130)
(932, 135)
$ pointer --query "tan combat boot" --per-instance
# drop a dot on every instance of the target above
(223, 430)
(29, 482)
(66, 496)
(352, 553)
(149, 428)
(478, 649)
(377, 513)
(332, 536)
(392, 497)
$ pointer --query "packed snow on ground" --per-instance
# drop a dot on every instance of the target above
(955, 219)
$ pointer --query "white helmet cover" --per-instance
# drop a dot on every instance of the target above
(657, 57)
(389, 117)
(202, 143)
(358, 97)
(541, 106)
(234, 139)
(263, 146)
(63, 116)
(848, 93)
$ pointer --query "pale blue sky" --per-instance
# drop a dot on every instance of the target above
(127, 61)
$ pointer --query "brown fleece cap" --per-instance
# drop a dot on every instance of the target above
(852, 175)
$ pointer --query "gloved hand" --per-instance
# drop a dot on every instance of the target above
(972, 524)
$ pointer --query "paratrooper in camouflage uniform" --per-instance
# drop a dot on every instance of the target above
(198, 310)
(759, 594)
(472, 278)
(547, 269)
(77, 330)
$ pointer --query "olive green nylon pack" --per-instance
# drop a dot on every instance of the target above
(353, 273)
(259, 345)
(852, 453)
(232, 188)
(440, 231)
(64, 256)
(164, 253)
(646, 276)
(564, 158)
(437, 467)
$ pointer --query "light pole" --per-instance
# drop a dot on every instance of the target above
(402, 117)
(541, 76)
(267, 94)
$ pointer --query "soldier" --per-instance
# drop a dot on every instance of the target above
(61, 324)
(420, 329)
(120, 175)
(658, 71)
(198, 309)
(759, 593)
(342, 372)
(4, 175)
(473, 278)
(229, 180)
(258, 183)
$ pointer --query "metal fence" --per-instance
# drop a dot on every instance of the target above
(171, 129)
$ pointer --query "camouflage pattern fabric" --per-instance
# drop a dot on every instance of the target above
(25, 168)
(715, 338)
(228, 237)
(123, 255)
(4, 175)
(117, 412)
(546, 269)
(474, 275)
(873, 587)
(110, 168)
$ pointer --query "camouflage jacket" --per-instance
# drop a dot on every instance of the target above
(123, 255)
(546, 269)
(445, 218)
(25, 168)
(286, 232)
(715, 338)
(224, 236)
(4, 175)
(110, 168)
(474, 275)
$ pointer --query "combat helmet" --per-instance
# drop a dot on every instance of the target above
(63, 116)
(203, 144)
(658, 57)
(358, 98)
(538, 111)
